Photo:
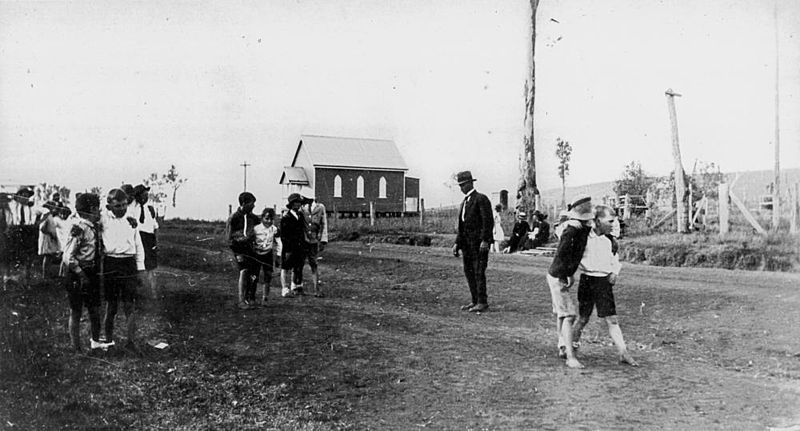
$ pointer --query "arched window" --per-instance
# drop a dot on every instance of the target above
(337, 186)
(360, 187)
(382, 188)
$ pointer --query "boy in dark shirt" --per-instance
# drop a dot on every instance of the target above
(241, 235)
(571, 245)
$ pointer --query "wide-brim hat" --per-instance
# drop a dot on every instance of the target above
(581, 208)
(116, 196)
(295, 197)
(464, 177)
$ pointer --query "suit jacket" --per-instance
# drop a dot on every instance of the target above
(478, 222)
(293, 232)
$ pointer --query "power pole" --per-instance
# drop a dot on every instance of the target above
(776, 191)
(680, 186)
(527, 192)
(245, 165)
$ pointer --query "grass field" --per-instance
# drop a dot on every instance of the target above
(389, 349)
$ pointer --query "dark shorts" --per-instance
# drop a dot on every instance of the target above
(80, 294)
(596, 291)
(265, 267)
(312, 251)
(293, 259)
(120, 278)
(150, 250)
(246, 262)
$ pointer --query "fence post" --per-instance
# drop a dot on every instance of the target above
(723, 209)
(627, 213)
(795, 199)
(371, 213)
(421, 212)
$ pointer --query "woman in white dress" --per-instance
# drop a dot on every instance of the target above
(499, 235)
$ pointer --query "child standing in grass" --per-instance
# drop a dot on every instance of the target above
(241, 234)
(82, 258)
(267, 246)
(599, 271)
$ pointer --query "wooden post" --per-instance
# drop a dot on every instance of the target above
(421, 212)
(680, 186)
(795, 203)
(724, 209)
(371, 213)
(627, 211)
(691, 208)
(776, 191)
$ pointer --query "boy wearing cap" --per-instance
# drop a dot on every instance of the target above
(123, 264)
(82, 259)
(569, 252)
(475, 226)
(148, 225)
(599, 271)
(293, 239)
(241, 235)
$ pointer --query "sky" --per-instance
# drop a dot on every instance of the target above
(100, 93)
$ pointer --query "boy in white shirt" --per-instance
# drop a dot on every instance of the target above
(267, 245)
(123, 264)
(599, 271)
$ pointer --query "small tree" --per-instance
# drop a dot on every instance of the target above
(173, 180)
(634, 181)
(563, 152)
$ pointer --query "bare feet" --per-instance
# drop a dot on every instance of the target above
(626, 358)
(573, 363)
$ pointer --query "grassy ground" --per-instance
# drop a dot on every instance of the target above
(389, 349)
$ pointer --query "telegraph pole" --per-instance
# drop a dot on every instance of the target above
(776, 191)
(245, 165)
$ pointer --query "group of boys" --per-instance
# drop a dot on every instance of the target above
(107, 251)
(587, 246)
(257, 243)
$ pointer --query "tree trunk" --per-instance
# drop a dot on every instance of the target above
(528, 192)
(680, 184)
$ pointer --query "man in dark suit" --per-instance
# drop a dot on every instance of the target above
(475, 225)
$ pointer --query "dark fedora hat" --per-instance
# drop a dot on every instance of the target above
(464, 177)
(139, 189)
(294, 197)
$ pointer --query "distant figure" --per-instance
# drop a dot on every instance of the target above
(475, 226)
(568, 256)
(241, 236)
(316, 238)
(498, 234)
(519, 233)
(49, 244)
(293, 241)
(148, 229)
(21, 208)
(599, 271)
(267, 246)
(82, 259)
(540, 233)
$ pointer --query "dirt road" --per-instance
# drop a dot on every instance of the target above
(718, 349)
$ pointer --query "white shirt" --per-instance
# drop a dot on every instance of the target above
(265, 237)
(149, 225)
(464, 205)
(120, 239)
(597, 260)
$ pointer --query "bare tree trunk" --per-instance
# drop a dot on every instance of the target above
(528, 192)
(680, 185)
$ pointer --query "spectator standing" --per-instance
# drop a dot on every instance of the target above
(241, 236)
(123, 264)
(148, 226)
(293, 240)
(267, 247)
(316, 238)
(497, 233)
(475, 226)
(49, 244)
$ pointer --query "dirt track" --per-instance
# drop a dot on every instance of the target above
(719, 349)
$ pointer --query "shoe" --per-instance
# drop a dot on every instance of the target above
(479, 308)
(562, 352)
(97, 344)
(626, 358)
(288, 294)
(244, 305)
(467, 307)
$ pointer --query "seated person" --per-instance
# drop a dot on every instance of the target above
(540, 234)
(518, 234)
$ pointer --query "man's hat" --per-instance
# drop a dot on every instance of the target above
(139, 189)
(581, 208)
(464, 177)
(127, 188)
(295, 197)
